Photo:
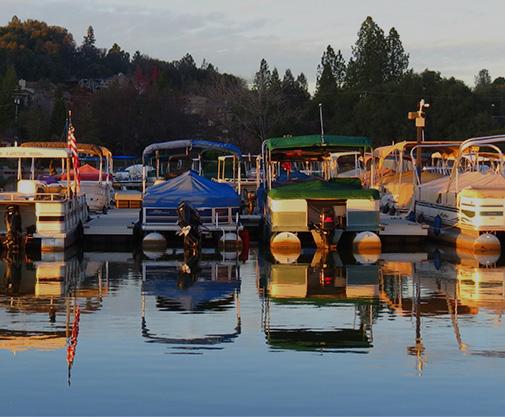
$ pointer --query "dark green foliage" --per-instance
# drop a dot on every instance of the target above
(58, 116)
(8, 84)
(37, 50)
(397, 61)
(155, 100)
(368, 65)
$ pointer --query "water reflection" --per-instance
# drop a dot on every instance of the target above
(450, 285)
(315, 282)
(422, 321)
(42, 301)
(330, 302)
(205, 286)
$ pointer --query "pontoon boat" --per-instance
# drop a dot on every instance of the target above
(41, 209)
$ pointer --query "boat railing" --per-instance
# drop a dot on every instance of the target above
(38, 197)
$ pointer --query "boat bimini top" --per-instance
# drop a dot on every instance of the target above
(19, 152)
(305, 146)
(191, 144)
(85, 148)
(101, 152)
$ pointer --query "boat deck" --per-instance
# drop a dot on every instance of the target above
(398, 226)
(114, 227)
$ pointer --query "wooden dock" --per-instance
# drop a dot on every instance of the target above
(397, 229)
(115, 227)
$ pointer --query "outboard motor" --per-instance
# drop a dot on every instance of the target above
(12, 220)
(189, 222)
(325, 229)
(251, 202)
(188, 272)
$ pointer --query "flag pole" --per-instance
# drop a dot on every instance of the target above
(72, 144)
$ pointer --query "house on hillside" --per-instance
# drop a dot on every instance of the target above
(214, 113)
(96, 84)
(40, 93)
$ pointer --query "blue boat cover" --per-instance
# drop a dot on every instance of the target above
(194, 189)
(193, 297)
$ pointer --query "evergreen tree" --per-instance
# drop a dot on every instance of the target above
(368, 65)
(302, 83)
(275, 82)
(326, 84)
(397, 60)
(482, 79)
(117, 60)
(263, 77)
(335, 63)
(89, 39)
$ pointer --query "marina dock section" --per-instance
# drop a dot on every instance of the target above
(397, 229)
(115, 227)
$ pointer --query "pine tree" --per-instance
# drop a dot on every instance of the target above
(368, 64)
(336, 64)
(482, 79)
(288, 81)
(89, 39)
(275, 82)
(117, 60)
(326, 84)
(302, 83)
(263, 77)
(397, 60)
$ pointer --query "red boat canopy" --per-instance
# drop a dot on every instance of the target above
(87, 173)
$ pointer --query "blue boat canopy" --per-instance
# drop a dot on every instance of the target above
(192, 143)
(197, 296)
(194, 189)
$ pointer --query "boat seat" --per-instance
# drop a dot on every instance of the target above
(30, 187)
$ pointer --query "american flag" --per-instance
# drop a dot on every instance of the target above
(72, 145)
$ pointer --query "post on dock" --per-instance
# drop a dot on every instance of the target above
(420, 119)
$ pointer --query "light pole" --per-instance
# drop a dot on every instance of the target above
(17, 102)
(321, 121)
(420, 117)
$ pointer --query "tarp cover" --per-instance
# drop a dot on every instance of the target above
(311, 141)
(87, 173)
(440, 192)
(194, 189)
(403, 191)
(195, 297)
(337, 188)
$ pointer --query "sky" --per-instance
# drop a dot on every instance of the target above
(457, 38)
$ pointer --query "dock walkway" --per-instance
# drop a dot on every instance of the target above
(398, 227)
(114, 227)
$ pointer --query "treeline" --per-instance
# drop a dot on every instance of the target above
(368, 94)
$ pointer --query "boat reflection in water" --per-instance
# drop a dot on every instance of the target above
(200, 293)
(341, 300)
(42, 301)
(453, 284)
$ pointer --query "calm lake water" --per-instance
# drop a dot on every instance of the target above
(411, 333)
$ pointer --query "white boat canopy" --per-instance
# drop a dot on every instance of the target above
(29, 152)
(192, 143)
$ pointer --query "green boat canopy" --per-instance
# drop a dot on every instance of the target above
(311, 141)
(334, 189)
